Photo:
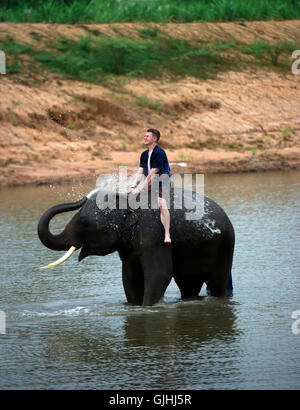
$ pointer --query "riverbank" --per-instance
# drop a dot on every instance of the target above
(209, 162)
(55, 129)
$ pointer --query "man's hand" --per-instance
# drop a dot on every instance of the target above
(134, 191)
(136, 180)
(130, 189)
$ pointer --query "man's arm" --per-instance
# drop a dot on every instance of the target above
(138, 177)
(146, 180)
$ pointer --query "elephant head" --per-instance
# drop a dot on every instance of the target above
(95, 231)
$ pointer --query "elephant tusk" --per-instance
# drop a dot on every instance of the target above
(61, 260)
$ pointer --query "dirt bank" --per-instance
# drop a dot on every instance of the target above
(53, 129)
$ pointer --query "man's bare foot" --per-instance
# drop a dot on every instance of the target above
(167, 239)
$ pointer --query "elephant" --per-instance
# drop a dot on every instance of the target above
(201, 249)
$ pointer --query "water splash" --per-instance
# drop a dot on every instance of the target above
(117, 181)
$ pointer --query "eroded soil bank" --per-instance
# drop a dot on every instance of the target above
(53, 129)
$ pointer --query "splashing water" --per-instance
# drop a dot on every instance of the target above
(114, 182)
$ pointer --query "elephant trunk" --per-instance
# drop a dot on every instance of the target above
(67, 238)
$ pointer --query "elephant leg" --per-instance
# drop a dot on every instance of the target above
(189, 273)
(221, 273)
(190, 286)
(157, 269)
(133, 282)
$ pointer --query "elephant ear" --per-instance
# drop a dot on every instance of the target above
(128, 216)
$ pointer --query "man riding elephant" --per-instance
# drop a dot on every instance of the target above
(153, 162)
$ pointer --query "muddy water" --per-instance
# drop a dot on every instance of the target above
(70, 328)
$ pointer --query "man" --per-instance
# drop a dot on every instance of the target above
(154, 161)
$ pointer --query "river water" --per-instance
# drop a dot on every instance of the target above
(71, 328)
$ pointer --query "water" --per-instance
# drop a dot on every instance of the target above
(70, 327)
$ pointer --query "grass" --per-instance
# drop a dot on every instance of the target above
(92, 59)
(12, 50)
(107, 11)
(266, 53)
(124, 144)
(8, 161)
(153, 105)
(286, 132)
(182, 156)
(156, 55)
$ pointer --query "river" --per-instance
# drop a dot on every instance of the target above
(71, 328)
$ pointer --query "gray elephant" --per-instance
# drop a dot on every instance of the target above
(201, 249)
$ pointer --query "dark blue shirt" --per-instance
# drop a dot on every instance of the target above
(158, 160)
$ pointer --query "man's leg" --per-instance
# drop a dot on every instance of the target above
(165, 218)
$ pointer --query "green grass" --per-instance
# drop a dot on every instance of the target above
(266, 53)
(98, 58)
(12, 49)
(91, 59)
(286, 132)
(107, 11)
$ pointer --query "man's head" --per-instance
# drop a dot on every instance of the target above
(154, 133)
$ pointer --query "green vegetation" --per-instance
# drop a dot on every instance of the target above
(124, 142)
(153, 105)
(89, 58)
(8, 161)
(107, 11)
(266, 53)
(92, 59)
(182, 156)
(98, 58)
(286, 132)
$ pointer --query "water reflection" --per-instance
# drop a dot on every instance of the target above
(185, 324)
(164, 346)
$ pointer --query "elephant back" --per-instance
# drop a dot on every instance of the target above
(193, 215)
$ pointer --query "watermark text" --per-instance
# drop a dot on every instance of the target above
(2, 62)
(296, 64)
(296, 323)
(112, 190)
(2, 323)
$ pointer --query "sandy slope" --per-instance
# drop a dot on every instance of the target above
(55, 129)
